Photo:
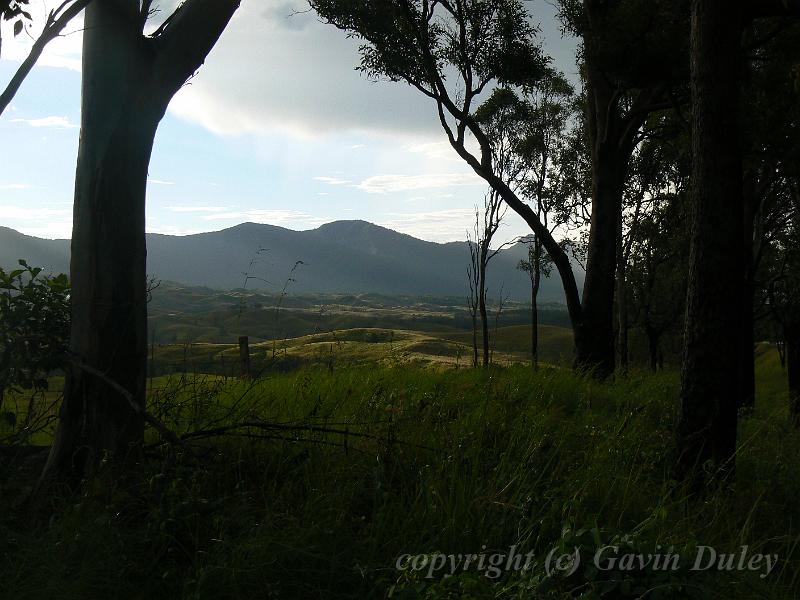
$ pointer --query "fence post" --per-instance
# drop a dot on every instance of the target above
(244, 355)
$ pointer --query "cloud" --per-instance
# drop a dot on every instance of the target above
(332, 180)
(281, 217)
(198, 209)
(384, 184)
(159, 182)
(16, 186)
(272, 74)
(41, 222)
(53, 122)
(441, 226)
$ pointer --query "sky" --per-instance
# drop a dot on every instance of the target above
(277, 127)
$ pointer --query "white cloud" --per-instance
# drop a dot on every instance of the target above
(159, 182)
(50, 122)
(283, 217)
(16, 186)
(332, 180)
(11, 212)
(440, 226)
(198, 209)
(384, 184)
(172, 230)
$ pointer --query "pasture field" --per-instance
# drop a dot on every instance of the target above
(312, 482)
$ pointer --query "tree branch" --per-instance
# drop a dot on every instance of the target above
(186, 38)
(53, 27)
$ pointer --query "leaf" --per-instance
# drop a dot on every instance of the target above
(17, 28)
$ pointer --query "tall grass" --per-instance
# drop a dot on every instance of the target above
(407, 460)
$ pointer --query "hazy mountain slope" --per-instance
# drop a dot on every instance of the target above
(340, 257)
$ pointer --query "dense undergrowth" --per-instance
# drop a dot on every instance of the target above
(361, 465)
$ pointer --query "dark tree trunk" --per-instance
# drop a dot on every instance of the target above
(747, 355)
(482, 306)
(535, 284)
(474, 341)
(747, 364)
(710, 374)
(596, 348)
(128, 81)
(622, 309)
(793, 371)
(108, 266)
(653, 338)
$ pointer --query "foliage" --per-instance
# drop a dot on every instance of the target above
(15, 11)
(34, 326)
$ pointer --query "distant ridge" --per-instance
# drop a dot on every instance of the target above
(339, 257)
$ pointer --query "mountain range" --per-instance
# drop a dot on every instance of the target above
(339, 257)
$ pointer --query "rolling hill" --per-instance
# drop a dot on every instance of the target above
(340, 257)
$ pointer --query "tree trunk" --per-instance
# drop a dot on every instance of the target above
(535, 283)
(712, 342)
(482, 307)
(653, 337)
(474, 341)
(596, 350)
(747, 356)
(793, 370)
(622, 308)
(108, 266)
(128, 81)
(611, 136)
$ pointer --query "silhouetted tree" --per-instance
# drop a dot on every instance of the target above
(128, 81)
(487, 223)
(709, 378)
(536, 266)
(633, 65)
(452, 52)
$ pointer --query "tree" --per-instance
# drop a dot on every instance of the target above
(784, 300)
(128, 81)
(709, 378)
(720, 246)
(15, 11)
(536, 266)
(622, 88)
(656, 274)
(34, 327)
(771, 137)
(452, 52)
(481, 254)
(531, 147)
(650, 247)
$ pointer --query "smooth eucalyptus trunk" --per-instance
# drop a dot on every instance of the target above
(108, 343)
(128, 81)
(712, 342)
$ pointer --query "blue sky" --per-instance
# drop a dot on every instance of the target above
(276, 128)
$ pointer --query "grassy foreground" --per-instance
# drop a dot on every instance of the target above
(364, 464)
